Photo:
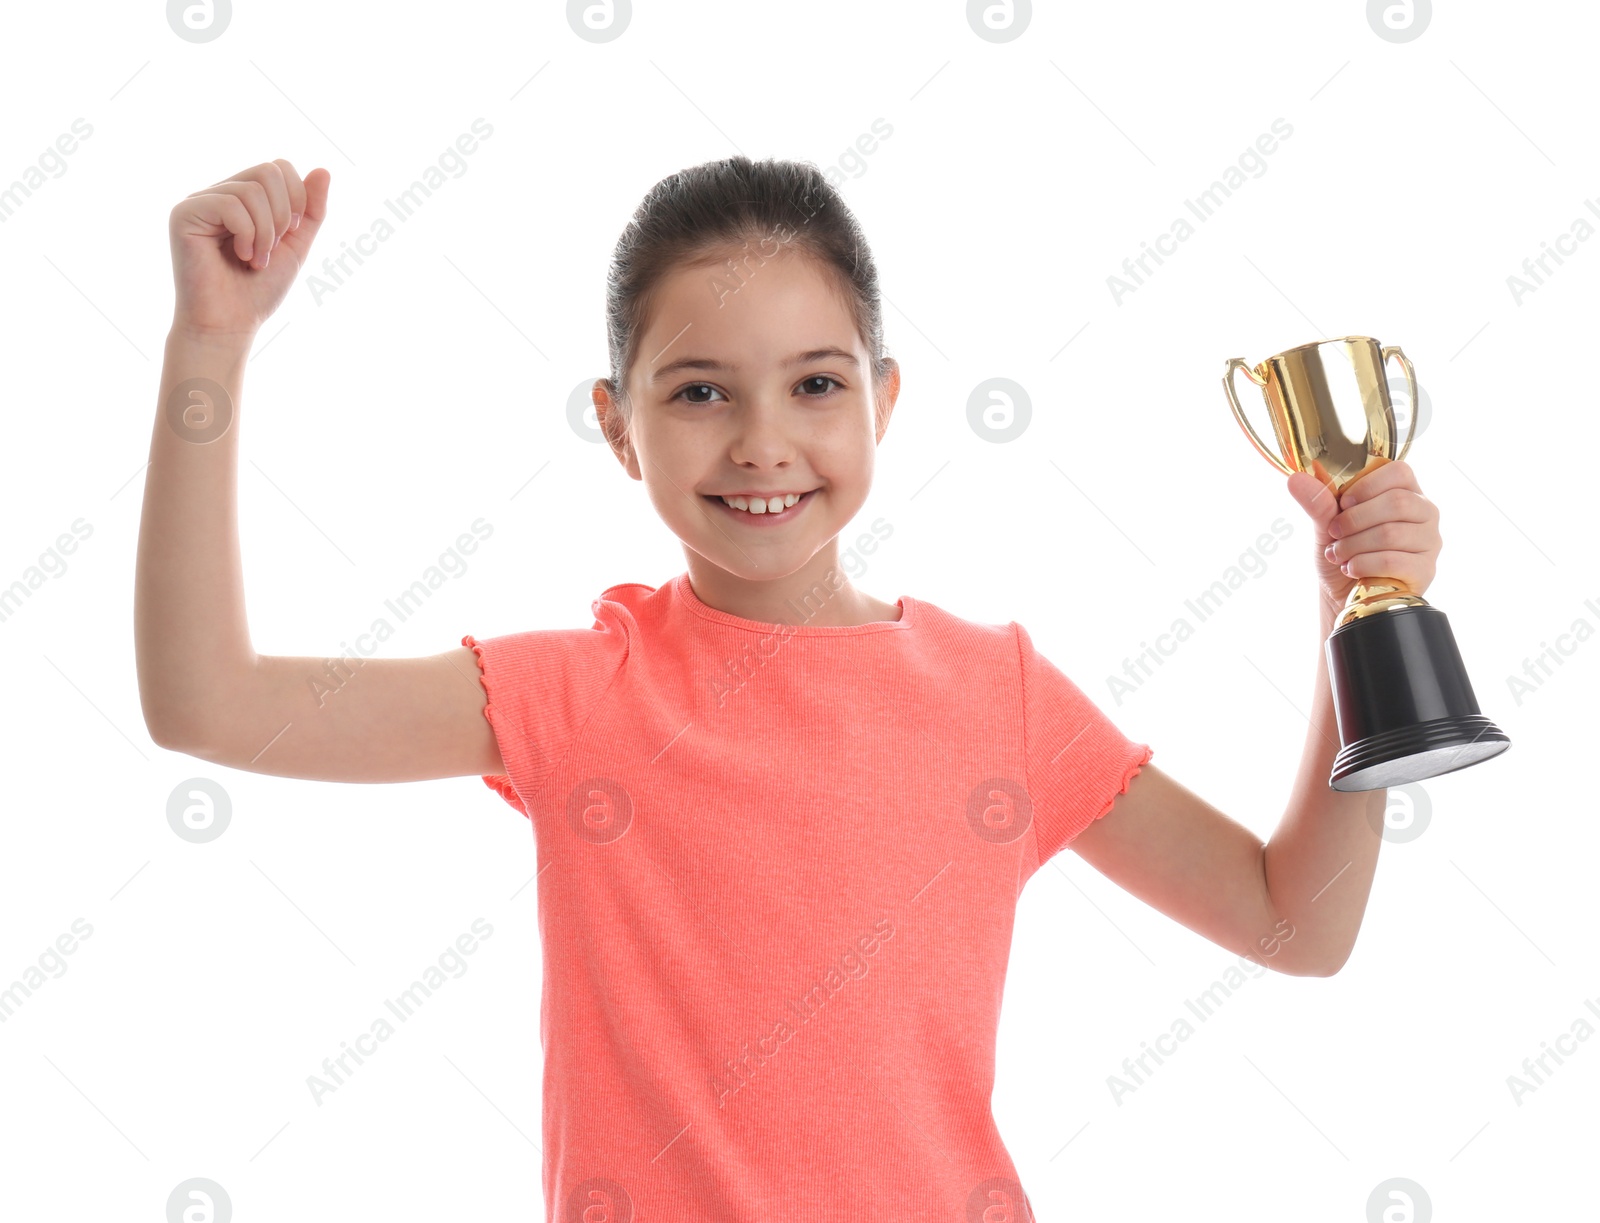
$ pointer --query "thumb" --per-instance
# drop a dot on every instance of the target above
(299, 240)
(1317, 499)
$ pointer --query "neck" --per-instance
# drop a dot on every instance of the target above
(818, 593)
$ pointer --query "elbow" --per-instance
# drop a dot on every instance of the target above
(169, 742)
(1333, 968)
(1324, 967)
(1313, 962)
(166, 731)
(161, 734)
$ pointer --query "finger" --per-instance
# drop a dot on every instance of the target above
(314, 211)
(254, 198)
(1396, 505)
(237, 176)
(1315, 498)
(269, 175)
(1396, 473)
(220, 213)
(295, 188)
(1402, 565)
(1385, 537)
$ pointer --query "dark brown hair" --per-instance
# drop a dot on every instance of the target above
(759, 206)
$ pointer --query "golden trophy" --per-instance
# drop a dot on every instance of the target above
(1404, 704)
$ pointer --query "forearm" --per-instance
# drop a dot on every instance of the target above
(190, 631)
(1320, 861)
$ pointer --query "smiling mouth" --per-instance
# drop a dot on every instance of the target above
(780, 515)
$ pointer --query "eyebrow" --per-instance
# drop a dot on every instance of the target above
(707, 363)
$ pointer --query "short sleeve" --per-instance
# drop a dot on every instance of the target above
(1077, 759)
(542, 686)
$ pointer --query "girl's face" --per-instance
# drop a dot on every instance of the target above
(758, 389)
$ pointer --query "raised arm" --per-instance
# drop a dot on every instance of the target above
(1294, 902)
(204, 690)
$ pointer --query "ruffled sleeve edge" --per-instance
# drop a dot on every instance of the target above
(500, 783)
(1132, 771)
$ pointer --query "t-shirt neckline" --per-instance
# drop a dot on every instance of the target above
(683, 591)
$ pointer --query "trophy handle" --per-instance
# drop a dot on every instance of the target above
(1238, 363)
(1411, 389)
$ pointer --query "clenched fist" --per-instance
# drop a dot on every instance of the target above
(237, 246)
(1382, 526)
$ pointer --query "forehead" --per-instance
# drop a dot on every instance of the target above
(770, 309)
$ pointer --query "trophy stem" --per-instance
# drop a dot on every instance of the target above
(1370, 596)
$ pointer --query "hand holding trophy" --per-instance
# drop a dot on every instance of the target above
(1404, 704)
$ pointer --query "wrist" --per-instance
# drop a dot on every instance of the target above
(1328, 609)
(191, 336)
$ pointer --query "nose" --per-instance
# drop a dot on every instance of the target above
(761, 434)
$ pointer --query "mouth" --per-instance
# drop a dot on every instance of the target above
(770, 518)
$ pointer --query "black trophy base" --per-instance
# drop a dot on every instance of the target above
(1405, 706)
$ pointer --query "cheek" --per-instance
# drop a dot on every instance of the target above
(848, 445)
(861, 466)
(671, 447)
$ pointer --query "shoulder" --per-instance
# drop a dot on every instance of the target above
(979, 633)
(632, 604)
(1006, 651)
(970, 651)
(536, 658)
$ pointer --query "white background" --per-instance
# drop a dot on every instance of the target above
(429, 390)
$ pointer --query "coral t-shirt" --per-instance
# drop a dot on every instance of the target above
(777, 873)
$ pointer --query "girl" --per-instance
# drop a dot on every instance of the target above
(781, 825)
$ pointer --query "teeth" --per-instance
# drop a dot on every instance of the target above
(756, 505)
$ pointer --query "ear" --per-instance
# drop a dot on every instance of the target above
(888, 393)
(617, 434)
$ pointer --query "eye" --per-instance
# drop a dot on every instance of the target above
(696, 386)
(821, 378)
